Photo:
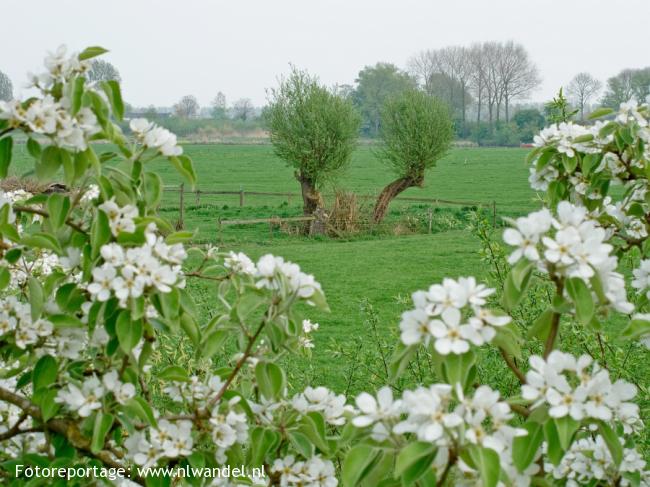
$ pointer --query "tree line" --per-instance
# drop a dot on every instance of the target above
(480, 84)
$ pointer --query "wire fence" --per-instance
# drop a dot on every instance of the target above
(293, 224)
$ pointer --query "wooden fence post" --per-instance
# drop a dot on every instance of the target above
(430, 217)
(197, 195)
(241, 197)
(494, 214)
(181, 207)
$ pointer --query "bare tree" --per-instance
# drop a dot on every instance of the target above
(444, 73)
(102, 71)
(478, 77)
(6, 88)
(582, 88)
(518, 75)
(243, 109)
(219, 106)
(187, 107)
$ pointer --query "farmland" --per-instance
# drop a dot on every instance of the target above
(380, 270)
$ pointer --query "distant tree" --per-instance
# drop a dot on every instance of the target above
(582, 88)
(517, 74)
(102, 71)
(626, 85)
(416, 131)
(187, 107)
(151, 112)
(445, 73)
(314, 130)
(528, 121)
(375, 85)
(529, 117)
(219, 106)
(6, 88)
(243, 109)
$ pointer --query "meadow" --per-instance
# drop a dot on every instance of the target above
(376, 271)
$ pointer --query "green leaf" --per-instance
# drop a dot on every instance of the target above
(270, 379)
(301, 443)
(112, 90)
(103, 423)
(214, 342)
(140, 408)
(581, 296)
(66, 321)
(542, 325)
(457, 368)
(175, 373)
(52, 158)
(612, 441)
(185, 168)
(487, 464)
(414, 460)
(34, 148)
(100, 233)
(357, 464)
(49, 407)
(263, 441)
(566, 429)
(36, 297)
(129, 332)
(42, 241)
(58, 207)
(5, 277)
(525, 447)
(600, 112)
(152, 189)
(516, 283)
(636, 329)
(77, 92)
(45, 372)
(191, 328)
(91, 52)
(6, 146)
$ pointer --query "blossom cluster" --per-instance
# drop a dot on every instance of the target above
(315, 471)
(589, 462)
(87, 397)
(322, 400)
(167, 439)
(452, 315)
(569, 244)
(129, 273)
(155, 137)
(274, 273)
(581, 389)
(53, 117)
(440, 415)
(16, 323)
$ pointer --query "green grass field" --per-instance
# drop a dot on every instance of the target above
(377, 269)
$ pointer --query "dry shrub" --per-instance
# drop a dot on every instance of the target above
(345, 215)
(32, 186)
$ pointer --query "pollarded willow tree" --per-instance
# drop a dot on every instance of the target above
(92, 281)
(6, 87)
(314, 130)
(416, 131)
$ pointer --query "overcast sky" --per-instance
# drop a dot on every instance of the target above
(168, 48)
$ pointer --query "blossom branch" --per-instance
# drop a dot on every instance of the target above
(45, 214)
(66, 428)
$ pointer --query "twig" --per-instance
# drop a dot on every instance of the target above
(520, 375)
(68, 429)
(238, 365)
(45, 214)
